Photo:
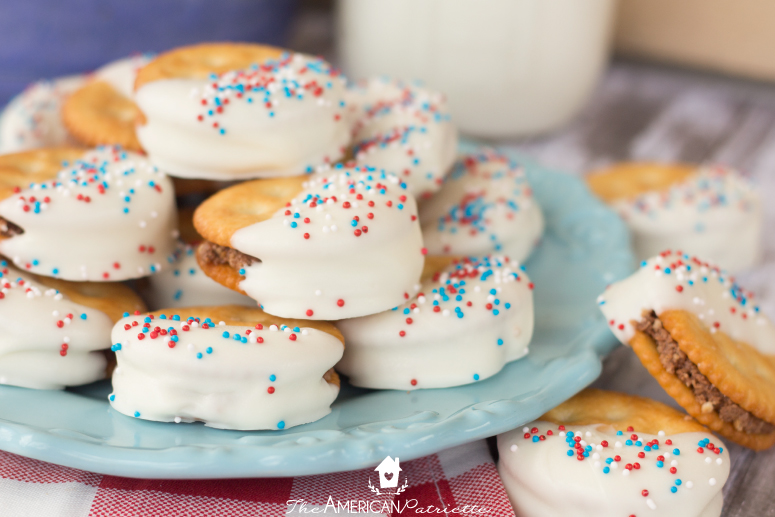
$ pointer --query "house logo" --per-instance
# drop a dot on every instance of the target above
(389, 474)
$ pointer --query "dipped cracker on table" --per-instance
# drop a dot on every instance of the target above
(704, 340)
(706, 210)
(611, 454)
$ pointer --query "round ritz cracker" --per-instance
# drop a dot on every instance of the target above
(19, 170)
(98, 114)
(739, 371)
(610, 453)
(621, 411)
(234, 208)
(628, 180)
(202, 60)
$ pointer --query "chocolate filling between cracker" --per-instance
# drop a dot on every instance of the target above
(676, 362)
(218, 255)
(9, 229)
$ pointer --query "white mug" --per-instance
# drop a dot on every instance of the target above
(508, 67)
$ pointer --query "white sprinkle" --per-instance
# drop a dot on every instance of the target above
(221, 323)
(514, 448)
(625, 472)
(273, 327)
(595, 456)
(614, 465)
(708, 460)
(674, 463)
(651, 504)
(712, 481)
(719, 461)
(177, 420)
(599, 447)
(689, 484)
(326, 229)
(142, 224)
(190, 346)
(661, 434)
(318, 292)
(304, 332)
(66, 339)
(55, 313)
(445, 312)
(618, 445)
(562, 433)
(154, 215)
(333, 228)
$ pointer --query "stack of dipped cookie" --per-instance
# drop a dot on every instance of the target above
(253, 196)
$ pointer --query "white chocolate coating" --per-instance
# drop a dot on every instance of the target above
(269, 379)
(348, 245)
(404, 129)
(681, 282)
(46, 340)
(184, 284)
(121, 74)
(542, 480)
(108, 216)
(485, 206)
(281, 118)
(33, 118)
(715, 214)
(436, 339)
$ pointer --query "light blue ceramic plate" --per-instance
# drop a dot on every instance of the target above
(585, 248)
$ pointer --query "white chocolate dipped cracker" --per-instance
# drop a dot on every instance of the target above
(251, 371)
(709, 211)
(464, 325)
(342, 245)
(405, 129)
(485, 206)
(279, 117)
(47, 340)
(107, 216)
(184, 284)
(673, 280)
(599, 466)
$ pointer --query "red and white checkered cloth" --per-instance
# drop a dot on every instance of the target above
(457, 478)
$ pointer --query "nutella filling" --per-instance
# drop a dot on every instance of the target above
(218, 255)
(8, 229)
(676, 362)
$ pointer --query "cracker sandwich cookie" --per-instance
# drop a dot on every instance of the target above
(102, 111)
(606, 454)
(403, 128)
(98, 215)
(709, 211)
(230, 367)
(486, 205)
(326, 246)
(33, 119)
(705, 341)
(54, 333)
(229, 111)
(470, 318)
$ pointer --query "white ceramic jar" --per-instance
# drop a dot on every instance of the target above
(509, 67)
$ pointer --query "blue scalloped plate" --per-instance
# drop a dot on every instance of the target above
(585, 248)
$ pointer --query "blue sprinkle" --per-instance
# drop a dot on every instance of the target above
(225, 334)
(242, 272)
(137, 414)
(476, 376)
(495, 312)
(55, 271)
(647, 448)
(209, 350)
(628, 442)
(163, 317)
(176, 318)
(609, 460)
(508, 306)
(535, 438)
(673, 489)
(112, 397)
(493, 291)
(678, 482)
(126, 314)
(294, 224)
(273, 377)
(660, 464)
(199, 355)
(281, 424)
(618, 433)
(83, 316)
(500, 342)
(676, 452)
(570, 452)
(606, 470)
(174, 338)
